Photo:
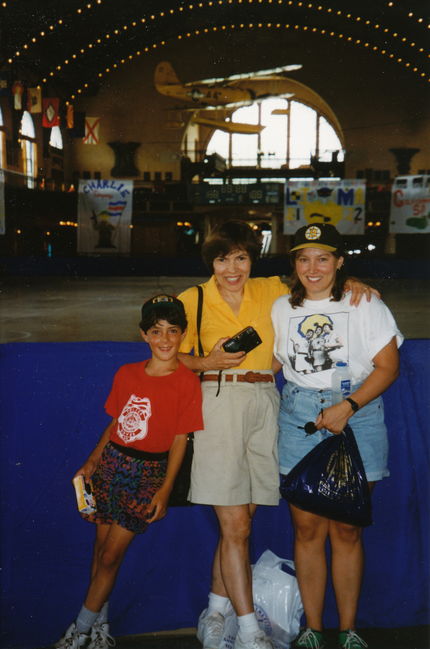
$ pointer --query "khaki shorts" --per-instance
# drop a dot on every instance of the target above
(235, 456)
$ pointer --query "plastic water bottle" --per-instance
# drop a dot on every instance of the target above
(340, 382)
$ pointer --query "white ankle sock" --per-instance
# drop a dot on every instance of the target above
(103, 615)
(85, 620)
(218, 603)
(248, 626)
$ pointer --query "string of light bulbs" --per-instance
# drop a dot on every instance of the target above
(217, 3)
(259, 25)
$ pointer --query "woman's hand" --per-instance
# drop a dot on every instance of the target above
(358, 289)
(335, 417)
(158, 506)
(218, 359)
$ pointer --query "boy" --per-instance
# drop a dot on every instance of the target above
(153, 405)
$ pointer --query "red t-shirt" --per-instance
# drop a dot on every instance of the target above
(152, 410)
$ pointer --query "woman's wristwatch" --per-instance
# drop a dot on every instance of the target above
(354, 404)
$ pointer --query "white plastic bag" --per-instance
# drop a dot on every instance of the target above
(277, 600)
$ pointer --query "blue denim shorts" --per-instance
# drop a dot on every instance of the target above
(300, 405)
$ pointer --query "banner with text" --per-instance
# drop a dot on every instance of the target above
(410, 204)
(339, 202)
(104, 216)
(2, 208)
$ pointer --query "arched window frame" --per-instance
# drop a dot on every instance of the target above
(27, 136)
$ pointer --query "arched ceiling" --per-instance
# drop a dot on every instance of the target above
(69, 47)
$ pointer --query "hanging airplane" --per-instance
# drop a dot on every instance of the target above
(224, 92)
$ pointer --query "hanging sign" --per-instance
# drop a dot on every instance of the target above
(410, 204)
(104, 216)
(339, 202)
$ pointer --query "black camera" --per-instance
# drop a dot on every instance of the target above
(243, 341)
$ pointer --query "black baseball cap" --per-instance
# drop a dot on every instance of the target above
(163, 307)
(318, 235)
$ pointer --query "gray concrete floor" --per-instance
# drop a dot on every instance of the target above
(65, 309)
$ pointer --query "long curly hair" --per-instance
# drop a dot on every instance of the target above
(298, 291)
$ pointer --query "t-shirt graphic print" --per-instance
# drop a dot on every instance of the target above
(317, 341)
(133, 420)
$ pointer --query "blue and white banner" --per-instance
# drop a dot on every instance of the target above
(104, 216)
(410, 204)
(2, 208)
(339, 202)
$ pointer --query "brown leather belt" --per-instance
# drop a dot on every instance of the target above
(249, 377)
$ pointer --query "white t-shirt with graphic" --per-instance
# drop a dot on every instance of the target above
(310, 339)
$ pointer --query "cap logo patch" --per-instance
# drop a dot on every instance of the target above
(312, 233)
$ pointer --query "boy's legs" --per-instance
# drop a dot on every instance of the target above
(110, 548)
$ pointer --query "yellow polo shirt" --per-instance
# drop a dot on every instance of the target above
(219, 321)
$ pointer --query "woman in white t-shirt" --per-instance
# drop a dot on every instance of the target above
(367, 339)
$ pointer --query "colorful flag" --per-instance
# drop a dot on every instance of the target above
(78, 129)
(34, 100)
(50, 117)
(17, 91)
(92, 125)
(70, 116)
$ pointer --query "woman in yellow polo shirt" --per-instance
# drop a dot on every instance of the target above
(235, 466)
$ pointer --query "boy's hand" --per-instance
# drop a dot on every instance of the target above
(158, 507)
(87, 469)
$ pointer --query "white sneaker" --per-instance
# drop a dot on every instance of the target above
(259, 641)
(72, 639)
(100, 638)
(210, 629)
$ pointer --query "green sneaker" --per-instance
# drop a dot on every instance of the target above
(349, 639)
(310, 639)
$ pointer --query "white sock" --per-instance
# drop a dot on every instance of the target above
(218, 604)
(85, 620)
(248, 626)
(103, 615)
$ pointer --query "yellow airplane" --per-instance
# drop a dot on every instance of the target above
(224, 92)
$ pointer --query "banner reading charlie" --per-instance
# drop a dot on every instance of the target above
(104, 216)
(410, 204)
(339, 202)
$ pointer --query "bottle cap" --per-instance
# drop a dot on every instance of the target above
(341, 364)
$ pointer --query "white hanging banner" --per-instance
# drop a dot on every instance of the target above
(410, 204)
(104, 216)
(2, 207)
(339, 202)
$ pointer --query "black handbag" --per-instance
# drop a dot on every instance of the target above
(181, 486)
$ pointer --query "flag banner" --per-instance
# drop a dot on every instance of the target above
(410, 204)
(339, 202)
(2, 207)
(70, 116)
(17, 92)
(92, 127)
(34, 100)
(78, 128)
(104, 216)
(51, 115)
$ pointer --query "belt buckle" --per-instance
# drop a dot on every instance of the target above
(251, 377)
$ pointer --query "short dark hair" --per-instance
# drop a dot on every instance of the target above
(298, 292)
(163, 307)
(229, 236)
